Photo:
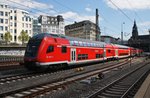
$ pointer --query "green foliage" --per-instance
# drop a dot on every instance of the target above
(7, 37)
(24, 37)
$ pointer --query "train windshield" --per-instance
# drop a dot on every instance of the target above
(32, 47)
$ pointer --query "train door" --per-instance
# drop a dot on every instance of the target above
(116, 52)
(104, 54)
(73, 55)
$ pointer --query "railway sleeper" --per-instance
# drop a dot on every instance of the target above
(114, 92)
(119, 88)
(121, 83)
(122, 86)
(104, 94)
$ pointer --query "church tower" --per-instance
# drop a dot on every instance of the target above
(134, 31)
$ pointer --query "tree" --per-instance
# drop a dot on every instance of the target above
(7, 37)
(23, 36)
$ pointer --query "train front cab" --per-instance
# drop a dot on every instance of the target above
(50, 52)
(31, 52)
(56, 53)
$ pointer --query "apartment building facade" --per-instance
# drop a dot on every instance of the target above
(52, 24)
(36, 26)
(84, 29)
(14, 21)
(4, 19)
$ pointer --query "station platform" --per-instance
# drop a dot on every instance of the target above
(144, 91)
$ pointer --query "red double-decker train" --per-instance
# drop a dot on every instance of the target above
(56, 51)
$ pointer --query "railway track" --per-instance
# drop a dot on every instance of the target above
(126, 86)
(10, 62)
(12, 78)
(68, 77)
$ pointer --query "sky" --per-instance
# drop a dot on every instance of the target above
(114, 15)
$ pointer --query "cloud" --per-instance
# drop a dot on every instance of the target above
(129, 4)
(143, 27)
(71, 17)
(143, 24)
(28, 4)
(88, 9)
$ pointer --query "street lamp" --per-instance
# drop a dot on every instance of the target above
(122, 32)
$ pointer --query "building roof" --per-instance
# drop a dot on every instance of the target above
(144, 37)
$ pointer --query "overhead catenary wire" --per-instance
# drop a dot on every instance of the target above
(70, 20)
(135, 13)
(123, 12)
(78, 12)
(134, 10)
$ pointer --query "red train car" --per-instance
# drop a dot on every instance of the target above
(48, 50)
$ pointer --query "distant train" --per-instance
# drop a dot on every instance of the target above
(56, 51)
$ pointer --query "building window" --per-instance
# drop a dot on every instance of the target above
(1, 21)
(26, 31)
(22, 24)
(11, 24)
(15, 17)
(26, 25)
(6, 13)
(11, 17)
(14, 11)
(15, 24)
(15, 38)
(26, 18)
(1, 13)
(15, 31)
(30, 25)
(11, 31)
(30, 31)
(22, 18)
(5, 6)
(29, 19)
(6, 21)
(1, 6)
(1, 36)
(6, 28)
(1, 28)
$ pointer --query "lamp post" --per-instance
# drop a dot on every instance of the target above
(122, 32)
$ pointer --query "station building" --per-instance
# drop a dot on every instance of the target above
(139, 41)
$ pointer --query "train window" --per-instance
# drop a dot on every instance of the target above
(50, 49)
(64, 49)
(99, 56)
(80, 43)
(84, 43)
(109, 51)
(86, 56)
(71, 42)
(82, 56)
(79, 56)
(76, 43)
